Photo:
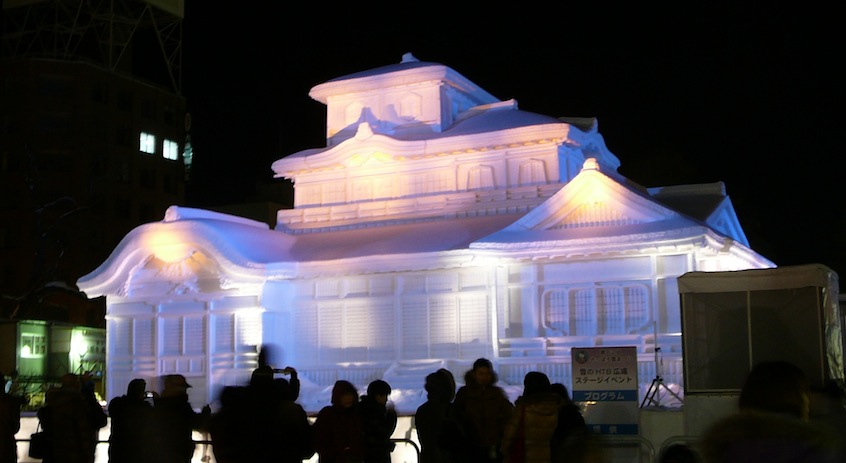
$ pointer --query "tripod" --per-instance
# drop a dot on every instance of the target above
(653, 394)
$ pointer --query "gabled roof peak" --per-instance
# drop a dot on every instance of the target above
(409, 58)
(590, 164)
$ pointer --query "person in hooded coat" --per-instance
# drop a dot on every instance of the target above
(483, 409)
(441, 437)
(528, 435)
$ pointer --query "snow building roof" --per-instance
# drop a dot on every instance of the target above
(481, 120)
(594, 213)
(408, 71)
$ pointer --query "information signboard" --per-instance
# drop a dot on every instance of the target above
(605, 384)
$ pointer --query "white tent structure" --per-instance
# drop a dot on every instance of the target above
(438, 225)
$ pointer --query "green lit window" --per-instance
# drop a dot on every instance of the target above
(33, 345)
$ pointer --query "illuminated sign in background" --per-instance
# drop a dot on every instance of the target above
(605, 383)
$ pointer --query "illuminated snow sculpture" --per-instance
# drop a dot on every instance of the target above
(438, 225)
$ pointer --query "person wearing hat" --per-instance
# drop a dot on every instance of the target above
(174, 421)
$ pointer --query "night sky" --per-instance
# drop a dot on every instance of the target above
(752, 97)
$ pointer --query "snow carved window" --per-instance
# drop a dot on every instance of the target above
(195, 335)
(444, 322)
(532, 172)
(248, 329)
(442, 318)
(307, 323)
(144, 337)
(171, 336)
(334, 192)
(415, 327)
(606, 309)
(480, 178)
(362, 190)
(120, 336)
(425, 183)
(182, 336)
(474, 329)
(307, 195)
(224, 334)
(331, 333)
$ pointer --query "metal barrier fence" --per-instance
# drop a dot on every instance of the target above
(640, 449)
(203, 451)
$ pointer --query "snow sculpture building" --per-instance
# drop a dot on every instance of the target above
(438, 225)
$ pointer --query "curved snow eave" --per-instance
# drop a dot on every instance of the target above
(614, 243)
(336, 155)
(179, 240)
(402, 147)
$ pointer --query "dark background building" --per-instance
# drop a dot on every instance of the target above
(93, 133)
(93, 142)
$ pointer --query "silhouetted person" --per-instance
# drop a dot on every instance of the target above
(483, 409)
(772, 422)
(338, 430)
(380, 421)
(10, 424)
(174, 421)
(263, 403)
(266, 357)
(441, 437)
(295, 428)
(230, 427)
(260, 423)
(280, 427)
(72, 418)
(131, 440)
(572, 441)
(528, 435)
